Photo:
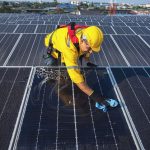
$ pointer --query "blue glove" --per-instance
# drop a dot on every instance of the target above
(107, 103)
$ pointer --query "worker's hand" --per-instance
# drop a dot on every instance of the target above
(97, 97)
(89, 64)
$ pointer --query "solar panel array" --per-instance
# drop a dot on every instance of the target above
(55, 114)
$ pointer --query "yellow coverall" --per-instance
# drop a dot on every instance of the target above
(69, 53)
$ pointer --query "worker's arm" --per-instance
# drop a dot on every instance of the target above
(92, 94)
(77, 77)
(85, 88)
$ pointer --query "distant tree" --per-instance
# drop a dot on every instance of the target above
(5, 4)
(92, 4)
(55, 1)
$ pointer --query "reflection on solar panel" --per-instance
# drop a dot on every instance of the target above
(63, 117)
(12, 85)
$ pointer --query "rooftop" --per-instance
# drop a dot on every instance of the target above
(38, 110)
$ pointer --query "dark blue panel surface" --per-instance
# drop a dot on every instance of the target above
(23, 22)
(2, 28)
(111, 129)
(21, 29)
(123, 30)
(37, 22)
(12, 85)
(134, 49)
(1, 36)
(140, 30)
(29, 51)
(109, 54)
(107, 30)
(45, 28)
(30, 29)
(41, 29)
(134, 85)
(132, 24)
(9, 28)
(147, 39)
(6, 45)
(60, 116)
(119, 24)
(52, 123)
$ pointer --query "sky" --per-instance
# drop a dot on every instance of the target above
(118, 1)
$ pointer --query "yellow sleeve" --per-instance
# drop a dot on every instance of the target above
(71, 62)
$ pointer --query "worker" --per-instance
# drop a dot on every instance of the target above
(73, 43)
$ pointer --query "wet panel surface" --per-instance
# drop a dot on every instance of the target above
(64, 118)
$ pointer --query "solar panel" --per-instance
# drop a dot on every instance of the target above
(63, 117)
(143, 24)
(107, 29)
(133, 47)
(25, 29)
(132, 24)
(141, 30)
(23, 22)
(37, 22)
(119, 24)
(6, 45)
(146, 38)
(123, 30)
(59, 115)
(29, 51)
(45, 28)
(12, 85)
(7, 28)
(110, 55)
(134, 84)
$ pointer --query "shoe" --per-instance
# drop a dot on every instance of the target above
(101, 107)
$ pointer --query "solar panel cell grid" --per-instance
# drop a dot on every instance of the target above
(12, 86)
(134, 85)
(140, 30)
(6, 45)
(74, 122)
(123, 30)
(112, 55)
(131, 50)
(59, 115)
(147, 39)
(107, 29)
